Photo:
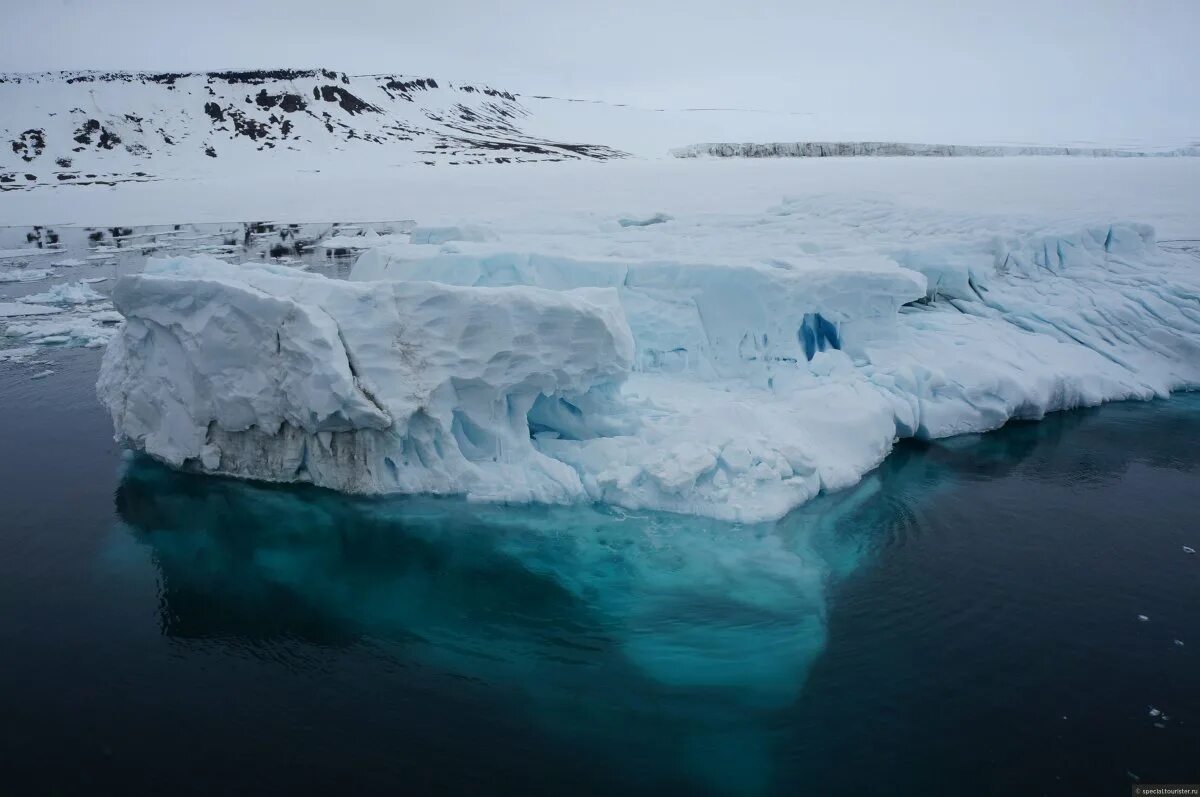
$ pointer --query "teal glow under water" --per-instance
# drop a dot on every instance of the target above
(969, 611)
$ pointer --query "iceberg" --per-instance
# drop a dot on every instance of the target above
(269, 373)
(690, 368)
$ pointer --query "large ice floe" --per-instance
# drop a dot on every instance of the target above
(730, 368)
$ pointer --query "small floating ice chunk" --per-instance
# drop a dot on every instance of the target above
(1154, 712)
(645, 221)
(93, 280)
(107, 317)
(1178, 643)
(70, 262)
(66, 293)
(18, 354)
(1188, 549)
(1143, 618)
(41, 375)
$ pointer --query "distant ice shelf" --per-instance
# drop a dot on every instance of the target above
(894, 149)
(686, 365)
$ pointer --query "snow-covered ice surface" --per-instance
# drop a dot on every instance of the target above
(1066, 192)
(751, 348)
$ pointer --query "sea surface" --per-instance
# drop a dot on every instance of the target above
(1001, 614)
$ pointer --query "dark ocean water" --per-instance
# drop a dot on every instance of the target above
(963, 622)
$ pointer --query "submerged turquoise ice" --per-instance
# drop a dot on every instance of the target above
(687, 602)
(653, 626)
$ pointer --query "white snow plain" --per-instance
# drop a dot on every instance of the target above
(730, 363)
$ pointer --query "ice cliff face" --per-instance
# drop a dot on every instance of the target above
(104, 127)
(723, 380)
(267, 373)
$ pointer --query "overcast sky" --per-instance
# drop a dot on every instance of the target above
(1077, 66)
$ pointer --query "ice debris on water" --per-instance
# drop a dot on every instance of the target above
(87, 330)
(29, 252)
(1188, 549)
(25, 275)
(644, 221)
(66, 293)
(17, 355)
(24, 308)
(1143, 618)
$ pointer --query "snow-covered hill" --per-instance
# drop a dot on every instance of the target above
(86, 127)
(79, 128)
